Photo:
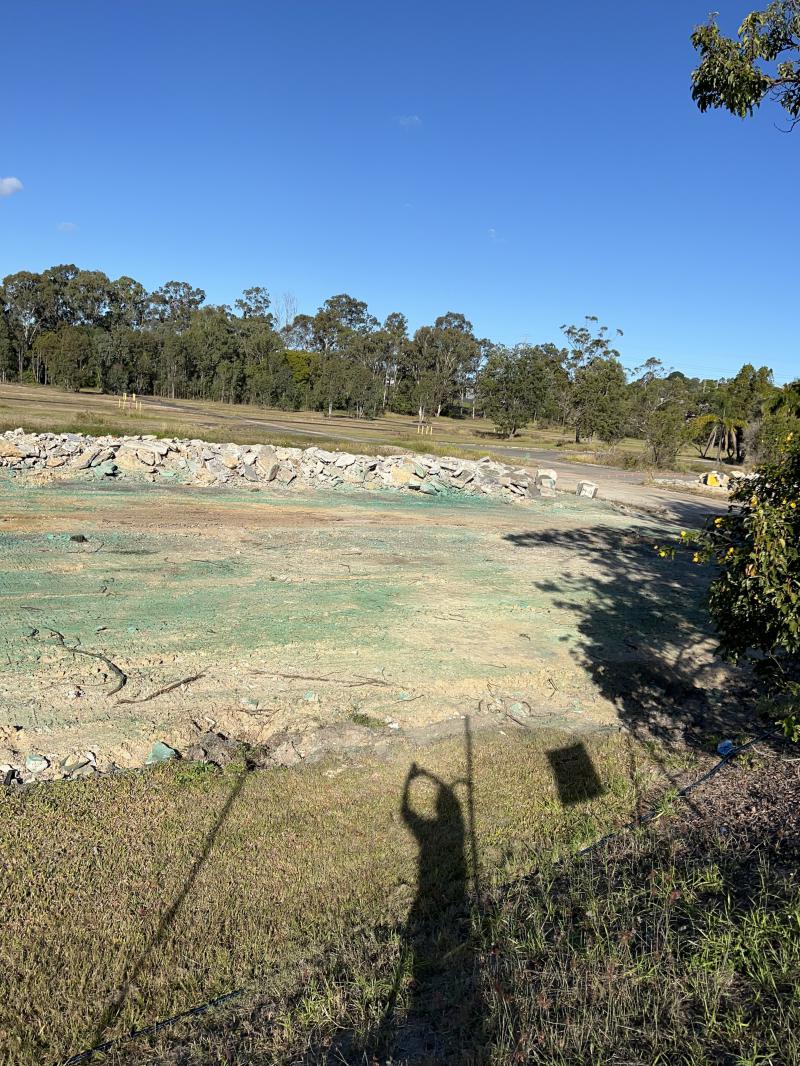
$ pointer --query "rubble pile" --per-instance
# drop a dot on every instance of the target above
(198, 462)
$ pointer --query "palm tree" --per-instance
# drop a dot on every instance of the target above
(717, 430)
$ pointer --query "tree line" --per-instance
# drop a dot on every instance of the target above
(79, 329)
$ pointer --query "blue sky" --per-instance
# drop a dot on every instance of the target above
(524, 163)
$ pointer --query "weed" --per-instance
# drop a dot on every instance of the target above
(189, 774)
(360, 718)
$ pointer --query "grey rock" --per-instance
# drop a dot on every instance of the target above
(160, 752)
(36, 763)
(266, 462)
(220, 472)
(86, 460)
(195, 753)
(107, 469)
(85, 769)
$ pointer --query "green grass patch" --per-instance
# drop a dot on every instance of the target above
(368, 720)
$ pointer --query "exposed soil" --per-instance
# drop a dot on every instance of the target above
(303, 620)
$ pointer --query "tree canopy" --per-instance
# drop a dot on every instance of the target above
(738, 74)
(78, 329)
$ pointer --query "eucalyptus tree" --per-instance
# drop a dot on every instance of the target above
(173, 303)
(593, 402)
(26, 304)
(86, 296)
(394, 340)
(762, 61)
(255, 302)
(127, 303)
(437, 361)
(659, 404)
(7, 353)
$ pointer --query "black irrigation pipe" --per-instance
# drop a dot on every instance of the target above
(149, 1030)
(84, 1056)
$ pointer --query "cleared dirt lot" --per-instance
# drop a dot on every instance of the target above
(306, 621)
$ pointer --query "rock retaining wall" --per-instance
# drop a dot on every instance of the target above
(198, 462)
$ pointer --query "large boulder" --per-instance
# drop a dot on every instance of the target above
(85, 460)
(9, 450)
(266, 462)
(546, 483)
(401, 474)
(231, 456)
(128, 460)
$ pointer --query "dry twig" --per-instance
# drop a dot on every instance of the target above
(166, 689)
(328, 678)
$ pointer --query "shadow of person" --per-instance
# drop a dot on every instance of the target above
(443, 1021)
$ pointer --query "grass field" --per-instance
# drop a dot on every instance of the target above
(348, 918)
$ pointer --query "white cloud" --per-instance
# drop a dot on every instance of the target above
(66, 227)
(492, 233)
(8, 186)
(409, 122)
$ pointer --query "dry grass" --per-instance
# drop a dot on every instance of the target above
(128, 898)
(45, 408)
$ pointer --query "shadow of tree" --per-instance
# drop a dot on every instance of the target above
(643, 634)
